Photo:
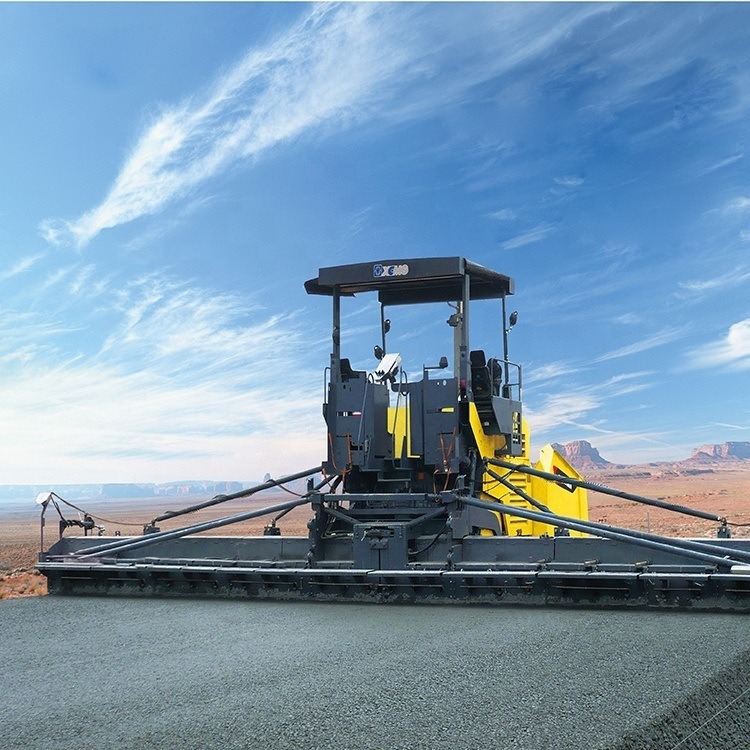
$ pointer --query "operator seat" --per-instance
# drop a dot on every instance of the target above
(483, 388)
(347, 373)
(481, 382)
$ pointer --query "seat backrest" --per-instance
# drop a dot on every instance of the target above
(481, 383)
(477, 358)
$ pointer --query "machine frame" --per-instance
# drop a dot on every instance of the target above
(435, 499)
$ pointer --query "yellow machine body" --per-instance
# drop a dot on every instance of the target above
(571, 502)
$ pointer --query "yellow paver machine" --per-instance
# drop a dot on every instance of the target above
(428, 493)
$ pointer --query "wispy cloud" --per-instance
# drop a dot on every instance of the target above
(21, 266)
(723, 163)
(660, 338)
(627, 319)
(740, 204)
(569, 181)
(730, 426)
(606, 437)
(550, 371)
(561, 408)
(339, 65)
(329, 67)
(735, 277)
(184, 372)
(54, 278)
(81, 280)
(527, 238)
(504, 214)
(570, 405)
(733, 351)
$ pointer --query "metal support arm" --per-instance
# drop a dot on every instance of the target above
(235, 495)
(560, 479)
(617, 534)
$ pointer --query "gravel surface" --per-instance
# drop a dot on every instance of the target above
(80, 673)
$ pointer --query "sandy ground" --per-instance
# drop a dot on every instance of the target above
(725, 492)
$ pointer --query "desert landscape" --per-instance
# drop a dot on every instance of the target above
(715, 478)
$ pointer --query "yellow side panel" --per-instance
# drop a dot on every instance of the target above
(398, 426)
(492, 489)
(558, 499)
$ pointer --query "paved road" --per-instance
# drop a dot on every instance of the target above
(84, 673)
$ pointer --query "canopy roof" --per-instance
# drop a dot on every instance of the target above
(410, 280)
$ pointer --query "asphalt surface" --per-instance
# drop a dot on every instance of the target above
(80, 673)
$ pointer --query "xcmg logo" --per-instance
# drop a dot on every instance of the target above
(379, 270)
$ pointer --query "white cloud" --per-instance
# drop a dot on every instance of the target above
(569, 406)
(188, 382)
(549, 372)
(340, 65)
(627, 319)
(21, 266)
(527, 238)
(562, 408)
(55, 278)
(504, 214)
(331, 67)
(81, 280)
(733, 350)
(732, 278)
(619, 438)
(660, 338)
(569, 181)
(737, 205)
(730, 426)
(723, 163)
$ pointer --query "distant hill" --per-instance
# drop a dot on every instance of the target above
(720, 452)
(112, 491)
(586, 458)
(582, 455)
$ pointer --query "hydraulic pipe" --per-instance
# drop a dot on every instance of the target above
(194, 529)
(331, 490)
(521, 493)
(715, 549)
(560, 479)
(242, 493)
(341, 516)
(426, 517)
(115, 547)
(577, 525)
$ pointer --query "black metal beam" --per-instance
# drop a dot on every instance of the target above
(164, 536)
(715, 549)
(578, 525)
(341, 516)
(560, 479)
(509, 485)
(235, 495)
(427, 516)
(120, 546)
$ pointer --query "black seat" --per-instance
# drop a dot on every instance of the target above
(481, 382)
(347, 373)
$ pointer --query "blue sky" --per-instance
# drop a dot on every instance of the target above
(171, 174)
